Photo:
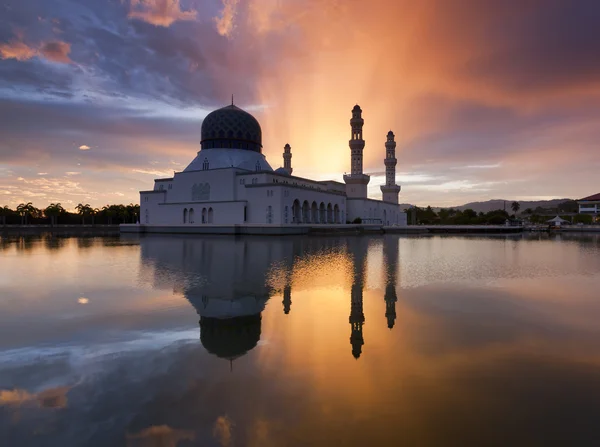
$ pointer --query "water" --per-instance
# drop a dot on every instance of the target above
(197, 341)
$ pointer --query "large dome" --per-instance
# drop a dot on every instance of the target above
(231, 128)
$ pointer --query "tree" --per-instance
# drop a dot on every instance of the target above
(53, 211)
(5, 211)
(515, 207)
(83, 211)
(94, 213)
(528, 211)
(26, 210)
(110, 212)
(469, 213)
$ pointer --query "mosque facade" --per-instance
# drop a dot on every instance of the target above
(230, 182)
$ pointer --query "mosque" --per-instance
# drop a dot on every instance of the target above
(230, 183)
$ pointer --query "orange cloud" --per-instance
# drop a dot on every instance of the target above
(54, 51)
(222, 430)
(225, 23)
(50, 398)
(159, 12)
(17, 50)
(162, 435)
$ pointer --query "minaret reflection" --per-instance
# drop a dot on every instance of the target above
(287, 298)
(358, 247)
(390, 259)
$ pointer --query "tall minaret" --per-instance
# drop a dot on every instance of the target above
(390, 190)
(287, 159)
(356, 182)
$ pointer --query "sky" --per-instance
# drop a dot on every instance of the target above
(487, 99)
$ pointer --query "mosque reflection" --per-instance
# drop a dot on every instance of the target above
(230, 280)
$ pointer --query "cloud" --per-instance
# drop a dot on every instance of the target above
(53, 51)
(56, 51)
(225, 23)
(154, 172)
(160, 435)
(49, 398)
(222, 430)
(17, 50)
(84, 147)
(159, 12)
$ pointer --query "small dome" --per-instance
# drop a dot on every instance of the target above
(282, 171)
(390, 134)
(231, 128)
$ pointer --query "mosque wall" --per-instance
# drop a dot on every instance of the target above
(195, 186)
(375, 211)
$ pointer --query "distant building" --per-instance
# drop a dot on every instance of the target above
(590, 205)
(230, 182)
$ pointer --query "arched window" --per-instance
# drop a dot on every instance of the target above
(285, 214)
(257, 167)
(210, 215)
(191, 215)
(205, 164)
(204, 217)
(185, 214)
(245, 213)
(269, 214)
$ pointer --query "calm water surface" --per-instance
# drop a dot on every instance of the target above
(358, 341)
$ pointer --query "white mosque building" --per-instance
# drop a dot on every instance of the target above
(231, 184)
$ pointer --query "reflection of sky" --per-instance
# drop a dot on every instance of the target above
(498, 347)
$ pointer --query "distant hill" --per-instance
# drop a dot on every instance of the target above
(498, 204)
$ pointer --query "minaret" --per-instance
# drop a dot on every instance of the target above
(287, 159)
(390, 257)
(390, 190)
(357, 317)
(356, 182)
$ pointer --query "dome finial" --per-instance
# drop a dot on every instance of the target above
(232, 99)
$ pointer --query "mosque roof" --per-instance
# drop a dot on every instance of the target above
(231, 128)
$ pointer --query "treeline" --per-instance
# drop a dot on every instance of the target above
(539, 215)
(56, 214)
(451, 216)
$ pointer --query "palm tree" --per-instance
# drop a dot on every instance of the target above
(109, 212)
(5, 211)
(24, 210)
(53, 211)
(94, 212)
(84, 210)
(515, 207)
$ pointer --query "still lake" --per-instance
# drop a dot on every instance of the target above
(350, 341)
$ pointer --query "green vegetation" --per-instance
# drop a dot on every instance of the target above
(55, 213)
(451, 216)
(539, 215)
